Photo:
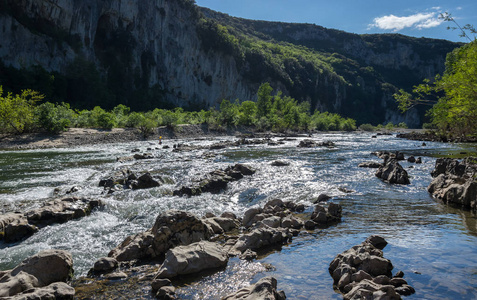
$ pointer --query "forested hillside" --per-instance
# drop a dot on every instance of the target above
(170, 53)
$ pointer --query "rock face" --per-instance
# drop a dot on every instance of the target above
(363, 273)
(15, 227)
(264, 289)
(41, 276)
(193, 258)
(392, 172)
(163, 45)
(454, 182)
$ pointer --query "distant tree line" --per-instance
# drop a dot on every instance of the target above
(28, 112)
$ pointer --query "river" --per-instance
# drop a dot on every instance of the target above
(434, 245)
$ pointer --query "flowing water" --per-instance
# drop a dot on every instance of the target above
(433, 244)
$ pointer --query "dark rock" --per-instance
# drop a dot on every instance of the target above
(143, 156)
(146, 181)
(326, 215)
(216, 181)
(322, 198)
(411, 159)
(279, 163)
(370, 164)
(392, 172)
(307, 144)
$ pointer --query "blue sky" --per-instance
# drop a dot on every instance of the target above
(417, 18)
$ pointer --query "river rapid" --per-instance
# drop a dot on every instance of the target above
(434, 245)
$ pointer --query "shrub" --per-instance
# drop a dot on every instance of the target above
(367, 127)
(55, 118)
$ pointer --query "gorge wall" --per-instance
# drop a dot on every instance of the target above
(166, 53)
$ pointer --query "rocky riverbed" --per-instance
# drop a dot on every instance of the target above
(271, 215)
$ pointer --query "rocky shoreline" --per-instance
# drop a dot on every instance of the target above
(182, 244)
(433, 136)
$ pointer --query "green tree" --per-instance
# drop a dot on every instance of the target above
(17, 112)
(55, 118)
(453, 95)
(264, 100)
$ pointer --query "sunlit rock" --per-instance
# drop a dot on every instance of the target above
(43, 275)
(264, 289)
(363, 273)
(193, 258)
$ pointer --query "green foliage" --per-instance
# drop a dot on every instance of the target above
(278, 113)
(55, 118)
(367, 127)
(454, 94)
(17, 112)
(264, 101)
(331, 122)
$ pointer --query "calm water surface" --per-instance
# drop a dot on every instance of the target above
(434, 245)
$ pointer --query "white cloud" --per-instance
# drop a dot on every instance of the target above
(394, 23)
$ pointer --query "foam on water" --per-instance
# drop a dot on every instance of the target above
(424, 236)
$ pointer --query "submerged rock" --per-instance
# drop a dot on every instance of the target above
(264, 289)
(363, 273)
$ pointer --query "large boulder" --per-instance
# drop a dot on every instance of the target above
(454, 182)
(264, 289)
(38, 271)
(175, 228)
(15, 227)
(193, 258)
(392, 172)
(171, 229)
(363, 273)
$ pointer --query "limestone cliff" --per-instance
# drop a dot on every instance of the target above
(148, 54)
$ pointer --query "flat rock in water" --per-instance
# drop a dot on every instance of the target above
(193, 258)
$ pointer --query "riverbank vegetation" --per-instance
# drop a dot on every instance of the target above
(452, 96)
(28, 112)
